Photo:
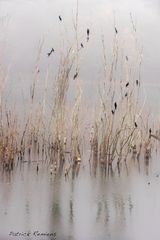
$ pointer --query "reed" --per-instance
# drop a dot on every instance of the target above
(119, 132)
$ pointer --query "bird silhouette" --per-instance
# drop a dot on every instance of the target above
(60, 18)
(150, 131)
(135, 124)
(52, 50)
(75, 75)
(116, 31)
(115, 105)
(82, 46)
(126, 95)
(88, 32)
(127, 84)
(137, 82)
(127, 58)
(112, 112)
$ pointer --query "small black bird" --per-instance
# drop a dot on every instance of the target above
(127, 84)
(88, 32)
(126, 58)
(137, 82)
(126, 95)
(112, 112)
(135, 124)
(60, 18)
(150, 131)
(37, 168)
(52, 50)
(115, 105)
(116, 31)
(75, 75)
(82, 45)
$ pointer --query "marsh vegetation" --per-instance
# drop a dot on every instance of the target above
(120, 131)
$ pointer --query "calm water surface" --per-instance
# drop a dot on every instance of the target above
(124, 206)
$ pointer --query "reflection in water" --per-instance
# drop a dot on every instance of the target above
(83, 207)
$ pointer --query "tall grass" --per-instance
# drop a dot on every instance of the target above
(119, 132)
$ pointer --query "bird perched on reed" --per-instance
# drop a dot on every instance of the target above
(135, 124)
(60, 18)
(82, 46)
(150, 132)
(112, 112)
(52, 50)
(88, 32)
(115, 105)
(116, 31)
(127, 84)
(75, 75)
(137, 82)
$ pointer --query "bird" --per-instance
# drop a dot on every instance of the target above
(126, 95)
(112, 112)
(52, 50)
(88, 32)
(135, 124)
(116, 31)
(75, 75)
(127, 84)
(82, 46)
(37, 168)
(60, 18)
(137, 82)
(126, 58)
(115, 105)
(150, 131)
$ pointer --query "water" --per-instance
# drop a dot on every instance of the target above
(118, 207)
(114, 207)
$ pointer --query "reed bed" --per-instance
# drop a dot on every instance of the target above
(120, 131)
